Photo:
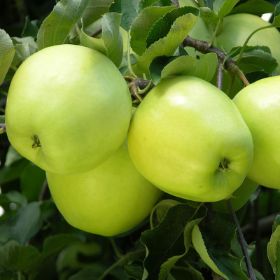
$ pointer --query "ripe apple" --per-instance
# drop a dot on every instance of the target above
(68, 109)
(108, 200)
(188, 138)
(259, 104)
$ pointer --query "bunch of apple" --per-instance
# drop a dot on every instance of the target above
(69, 111)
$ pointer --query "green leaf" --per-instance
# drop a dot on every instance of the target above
(89, 273)
(166, 240)
(94, 10)
(257, 7)
(212, 241)
(15, 257)
(187, 272)
(276, 19)
(190, 3)
(166, 46)
(205, 67)
(27, 222)
(256, 59)
(7, 52)
(223, 8)
(273, 249)
(57, 26)
(142, 24)
(210, 18)
(128, 9)
(162, 26)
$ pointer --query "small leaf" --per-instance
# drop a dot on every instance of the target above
(166, 46)
(210, 18)
(204, 68)
(223, 8)
(257, 7)
(142, 24)
(56, 27)
(256, 59)
(15, 257)
(7, 52)
(273, 249)
(276, 19)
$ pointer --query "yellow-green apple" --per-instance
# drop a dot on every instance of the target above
(107, 200)
(259, 104)
(188, 138)
(68, 109)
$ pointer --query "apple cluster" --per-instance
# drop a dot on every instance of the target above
(69, 111)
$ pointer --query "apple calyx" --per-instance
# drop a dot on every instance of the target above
(224, 164)
(36, 142)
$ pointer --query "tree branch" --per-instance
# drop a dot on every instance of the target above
(205, 47)
(243, 243)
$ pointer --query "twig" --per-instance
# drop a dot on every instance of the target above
(243, 243)
(205, 47)
(43, 191)
(220, 75)
(2, 128)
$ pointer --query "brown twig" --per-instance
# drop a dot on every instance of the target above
(205, 47)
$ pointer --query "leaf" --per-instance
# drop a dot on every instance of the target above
(273, 250)
(162, 26)
(256, 59)
(15, 257)
(94, 10)
(223, 8)
(27, 222)
(167, 239)
(187, 272)
(276, 19)
(190, 3)
(166, 46)
(56, 27)
(204, 68)
(89, 273)
(210, 18)
(257, 7)
(142, 24)
(7, 52)
(212, 241)
(128, 9)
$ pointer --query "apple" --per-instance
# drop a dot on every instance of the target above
(188, 138)
(68, 109)
(259, 104)
(107, 200)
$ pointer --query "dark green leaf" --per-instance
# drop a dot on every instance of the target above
(256, 59)
(142, 25)
(167, 45)
(257, 7)
(128, 9)
(89, 273)
(276, 19)
(57, 26)
(273, 251)
(15, 257)
(27, 222)
(167, 239)
(188, 272)
(7, 52)
(163, 25)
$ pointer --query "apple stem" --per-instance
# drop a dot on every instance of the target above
(228, 63)
(220, 75)
(242, 242)
(2, 128)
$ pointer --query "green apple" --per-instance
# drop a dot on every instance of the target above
(236, 28)
(259, 104)
(108, 200)
(68, 109)
(188, 138)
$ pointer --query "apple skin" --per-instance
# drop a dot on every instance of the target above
(182, 135)
(259, 104)
(236, 29)
(63, 97)
(108, 200)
